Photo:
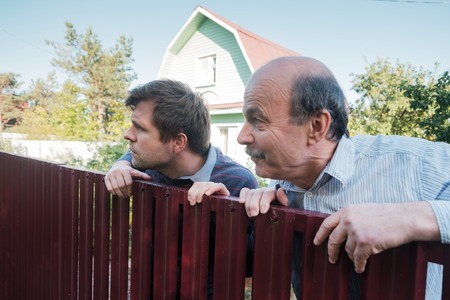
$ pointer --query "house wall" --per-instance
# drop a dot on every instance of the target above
(232, 71)
(224, 131)
(57, 151)
(232, 74)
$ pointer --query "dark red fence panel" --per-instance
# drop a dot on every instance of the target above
(195, 250)
(63, 236)
(86, 229)
(70, 204)
(44, 214)
(274, 246)
(102, 227)
(142, 241)
(4, 221)
(446, 279)
(390, 273)
(166, 242)
(230, 249)
(119, 248)
(321, 280)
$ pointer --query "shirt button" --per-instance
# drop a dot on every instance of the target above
(309, 194)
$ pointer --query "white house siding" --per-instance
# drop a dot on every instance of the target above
(229, 145)
(165, 68)
(232, 71)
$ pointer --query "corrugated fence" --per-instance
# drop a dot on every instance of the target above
(63, 236)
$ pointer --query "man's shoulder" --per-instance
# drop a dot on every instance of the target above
(228, 165)
(390, 144)
(223, 161)
(228, 170)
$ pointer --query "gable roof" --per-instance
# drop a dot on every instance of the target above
(256, 49)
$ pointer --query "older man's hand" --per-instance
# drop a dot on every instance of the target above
(258, 200)
(368, 229)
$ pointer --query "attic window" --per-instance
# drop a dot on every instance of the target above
(206, 70)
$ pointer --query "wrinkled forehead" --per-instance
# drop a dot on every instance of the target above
(267, 91)
(266, 99)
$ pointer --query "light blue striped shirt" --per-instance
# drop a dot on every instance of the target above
(383, 169)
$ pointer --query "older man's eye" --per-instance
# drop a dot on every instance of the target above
(258, 123)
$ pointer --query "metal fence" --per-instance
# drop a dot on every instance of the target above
(63, 236)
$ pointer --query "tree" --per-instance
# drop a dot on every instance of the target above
(103, 77)
(12, 103)
(36, 119)
(88, 106)
(105, 156)
(383, 106)
(433, 100)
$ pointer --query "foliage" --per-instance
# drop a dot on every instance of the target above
(87, 107)
(36, 119)
(5, 145)
(12, 104)
(102, 77)
(8, 81)
(262, 182)
(432, 100)
(103, 157)
(383, 106)
(71, 119)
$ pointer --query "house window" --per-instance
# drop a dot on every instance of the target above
(206, 70)
(224, 140)
(228, 140)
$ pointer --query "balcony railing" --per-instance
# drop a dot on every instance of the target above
(63, 236)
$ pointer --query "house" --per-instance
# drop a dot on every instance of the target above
(216, 58)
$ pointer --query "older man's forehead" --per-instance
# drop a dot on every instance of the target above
(251, 109)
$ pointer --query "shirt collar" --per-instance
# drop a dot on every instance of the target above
(342, 164)
(204, 174)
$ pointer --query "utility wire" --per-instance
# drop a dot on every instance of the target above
(414, 2)
(24, 41)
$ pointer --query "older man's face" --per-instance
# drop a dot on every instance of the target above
(274, 143)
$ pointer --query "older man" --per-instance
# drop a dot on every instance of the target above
(381, 191)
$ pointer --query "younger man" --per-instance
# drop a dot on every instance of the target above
(170, 143)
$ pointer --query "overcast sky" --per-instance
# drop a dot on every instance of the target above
(345, 34)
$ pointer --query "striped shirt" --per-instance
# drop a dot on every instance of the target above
(383, 169)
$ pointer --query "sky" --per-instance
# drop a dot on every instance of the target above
(346, 35)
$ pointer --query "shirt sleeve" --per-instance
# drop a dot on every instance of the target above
(436, 182)
(442, 212)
